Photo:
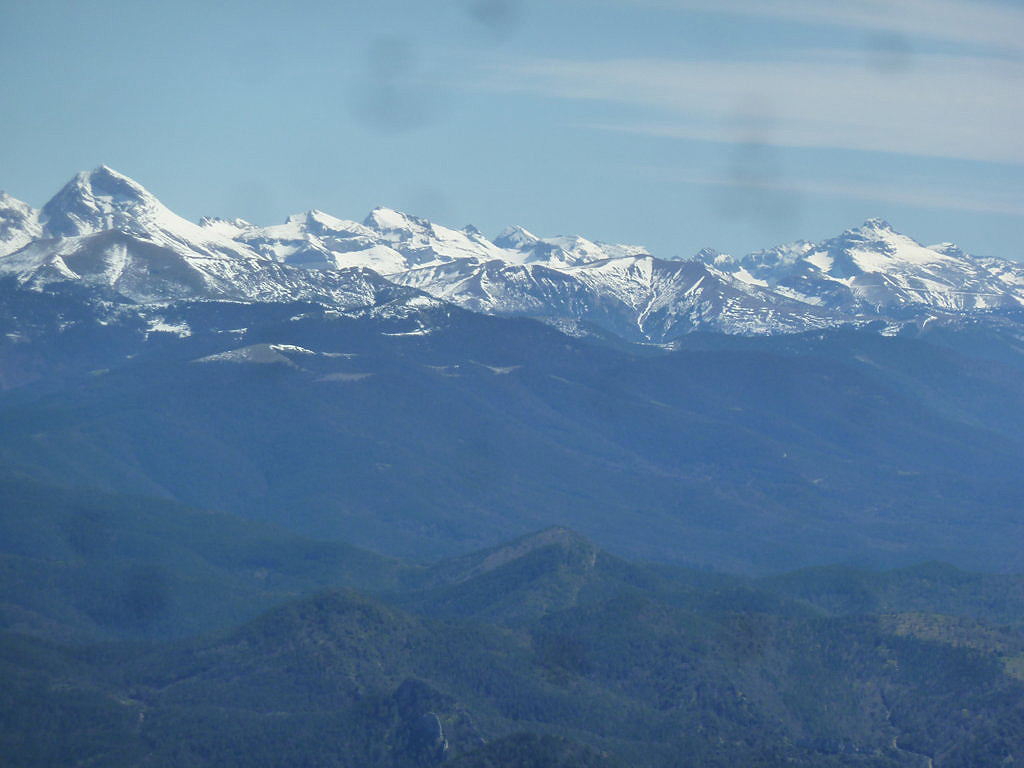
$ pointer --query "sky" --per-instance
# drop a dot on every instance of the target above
(675, 124)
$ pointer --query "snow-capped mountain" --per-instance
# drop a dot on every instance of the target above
(107, 233)
(318, 240)
(637, 297)
(561, 251)
(872, 270)
(19, 224)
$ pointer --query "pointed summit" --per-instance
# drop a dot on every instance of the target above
(19, 224)
(874, 226)
(9, 202)
(949, 249)
(388, 220)
(98, 200)
(312, 215)
(13, 210)
(516, 238)
(711, 256)
(316, 222)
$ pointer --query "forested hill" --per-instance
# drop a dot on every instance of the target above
(542, 651)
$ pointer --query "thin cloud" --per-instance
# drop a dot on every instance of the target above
(994, 25)
(919, 198)
(946, 106)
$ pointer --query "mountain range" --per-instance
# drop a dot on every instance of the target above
(106, 232)
(388, 384)
(387, 493)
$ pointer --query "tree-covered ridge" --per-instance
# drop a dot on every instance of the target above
(543, 651)
(78, 565)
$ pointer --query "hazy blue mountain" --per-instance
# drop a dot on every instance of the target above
(424, 429)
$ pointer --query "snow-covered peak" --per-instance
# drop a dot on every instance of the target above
(103, 200)
(949, 249)
(422, 242)
(576, 249)
(317, 221)
(877, 247)
(384, 219)
(516, 238)
(711, 256)
(106, 231)
(317, 240)
(315, 224)
(13, 204)
(873, 268)
(19, 224)
(874, 225)
(226, 227)
(563, 251)
(638, 267)
(774, 261)
(99, 200)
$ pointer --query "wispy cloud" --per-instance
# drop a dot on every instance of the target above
(995, 25)
(943, 199)
(945, 106)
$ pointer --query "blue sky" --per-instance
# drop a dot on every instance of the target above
(735, 124)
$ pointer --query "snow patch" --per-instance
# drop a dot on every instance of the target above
(345, 376)
(261, 354)
(419, 332)
(501, 370)
(292, 348)
(160, 325)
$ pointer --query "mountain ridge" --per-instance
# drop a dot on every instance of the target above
(106, 231)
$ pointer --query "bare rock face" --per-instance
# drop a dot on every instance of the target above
(431, 726)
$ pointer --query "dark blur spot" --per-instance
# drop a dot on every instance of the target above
(393, 96)
(500, 17)
(888, 54)
(88, 531)
(390, 59)
(754, 191)
(145, 594)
